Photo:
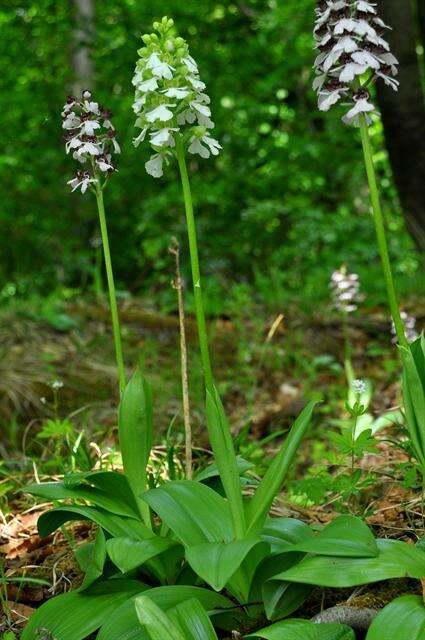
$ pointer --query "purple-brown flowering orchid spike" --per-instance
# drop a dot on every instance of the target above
(353, 54)
(91, 139)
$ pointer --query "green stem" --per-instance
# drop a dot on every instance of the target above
(194, 258)
(111, 287)
(380, 232)
(348, 362)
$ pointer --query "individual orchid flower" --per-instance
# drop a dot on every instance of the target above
(353, 54)
(91, 138)
(170, 99)
(345, 288)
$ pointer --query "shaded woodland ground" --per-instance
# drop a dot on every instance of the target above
(264, 380)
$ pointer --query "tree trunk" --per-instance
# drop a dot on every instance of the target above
(83, 34)
(403, 115)
(421, 19)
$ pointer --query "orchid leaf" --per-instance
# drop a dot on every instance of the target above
(216, 562)
(125, 625)
(225, 459)
(346, 536)
(75, 615)
(193, 511)
(95, 560)
(113, 524)
(396, 559)
(260, 504)
(136, 434)
(155, 621)
(304, 630)
(128, 553)
(401, 619)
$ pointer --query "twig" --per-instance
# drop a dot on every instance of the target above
(178, 285)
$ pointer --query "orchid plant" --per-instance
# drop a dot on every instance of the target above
(353, 56)
(91, 139)
(191, 559)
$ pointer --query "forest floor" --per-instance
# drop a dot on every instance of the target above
(267, 367)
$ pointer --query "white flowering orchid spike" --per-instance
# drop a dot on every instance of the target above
(91, 139)
(170, 99)
(409, 328)
(345, 289)
(353, 54)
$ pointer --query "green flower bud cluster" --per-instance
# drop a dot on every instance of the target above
(170, 98)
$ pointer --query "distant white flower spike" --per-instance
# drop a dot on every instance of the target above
(352, 54)
(345, 288)
(170, 99)
(409, 328)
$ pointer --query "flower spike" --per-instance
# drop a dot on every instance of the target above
(170, 99)
(91, 139)
(345, 289)
(352, 55)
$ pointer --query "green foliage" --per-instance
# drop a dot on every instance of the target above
(414, 395)
(304, 630)
(136, 432)
(402, 618)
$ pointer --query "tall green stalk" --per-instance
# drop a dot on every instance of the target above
(218, 428)
(196, 274)
(380, 232)
(111, 287)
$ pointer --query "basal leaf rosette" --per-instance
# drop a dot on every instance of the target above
(170, 99)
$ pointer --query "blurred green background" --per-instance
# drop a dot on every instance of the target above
(282, 206)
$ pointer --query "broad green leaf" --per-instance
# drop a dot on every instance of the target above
(395, 560)
(280, 598)
(241, 582)
(345, 536)
(211, 471)
(125, 625)
(136, 433)
(156, 622)
(113, 524)
(95, 561)
(225, 458)
(304, 630)
(216, 562)
(193, 621)
(193, 511)
(283, 533)
(402, 619)
(128, 554)
(259, 506)
(74, 615)
(99, 498)
(115, 484)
